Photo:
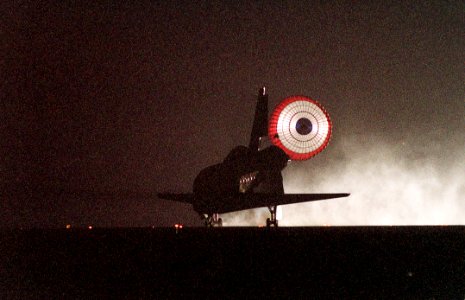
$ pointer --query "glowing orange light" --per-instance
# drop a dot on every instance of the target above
(90, 227)
(68, 226)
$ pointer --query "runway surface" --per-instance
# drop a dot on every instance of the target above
(307, 262)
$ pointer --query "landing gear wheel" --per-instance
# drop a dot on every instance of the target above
(208, 221)
(270, 223)
(213, 220)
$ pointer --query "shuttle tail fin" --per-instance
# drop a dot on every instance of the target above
(260, 122)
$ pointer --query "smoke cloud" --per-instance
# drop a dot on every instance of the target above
(402, 183)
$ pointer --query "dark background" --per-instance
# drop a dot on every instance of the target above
(375, 262)
(104, 104)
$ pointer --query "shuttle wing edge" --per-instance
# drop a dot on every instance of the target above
(256, 200)
(180, 197)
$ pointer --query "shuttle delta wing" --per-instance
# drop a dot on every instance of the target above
(256, 200)
(180, 197)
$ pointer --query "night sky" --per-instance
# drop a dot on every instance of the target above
(104, 104)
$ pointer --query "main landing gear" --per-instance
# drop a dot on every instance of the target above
(213, 220)
(272, 221)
